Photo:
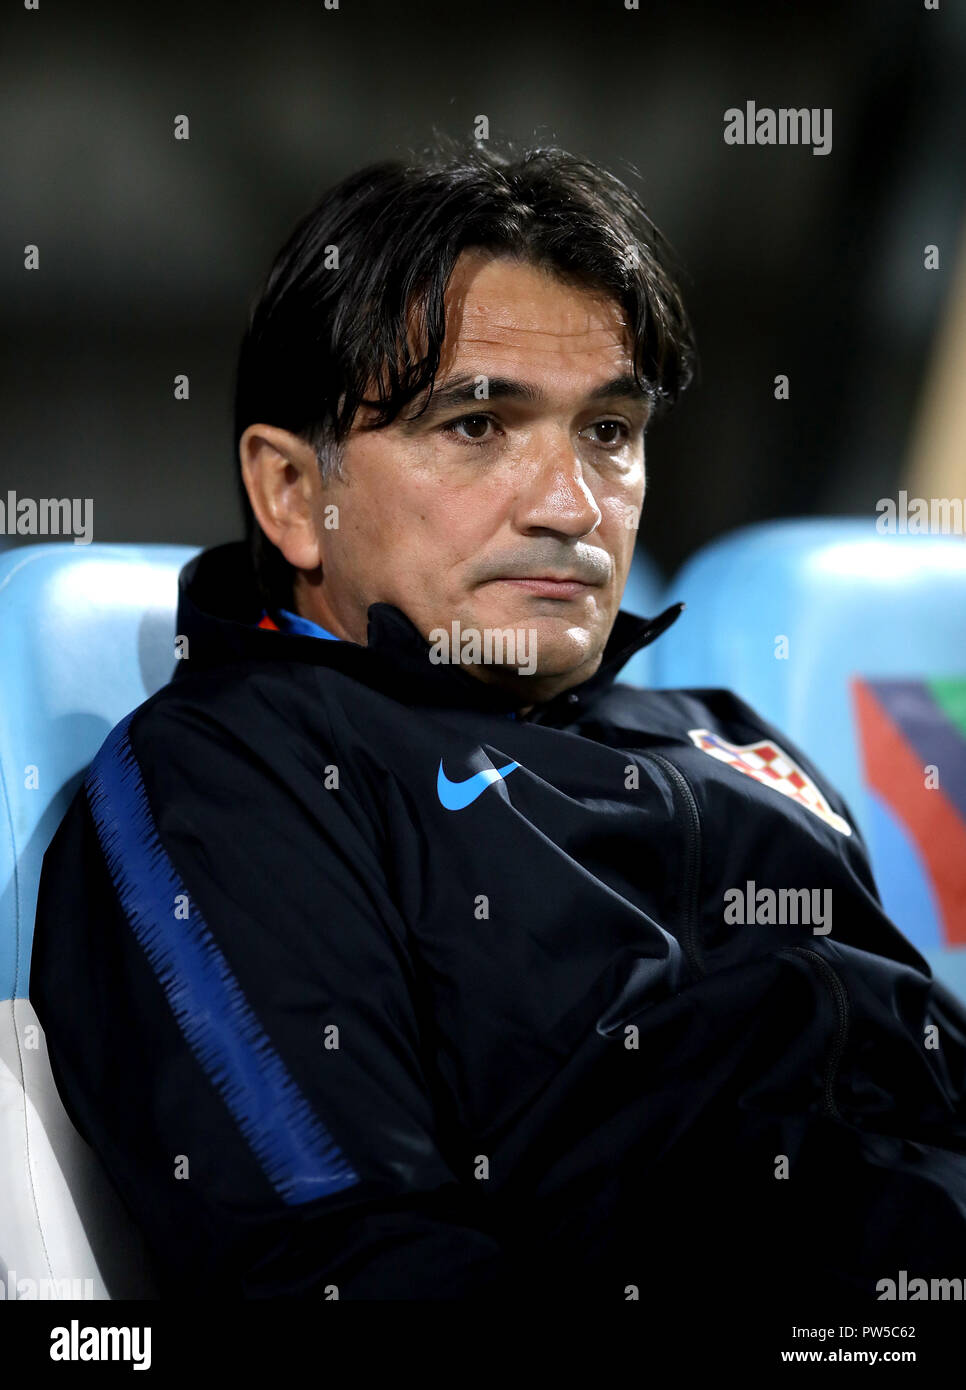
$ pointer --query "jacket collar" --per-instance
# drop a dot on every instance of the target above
(219, 608)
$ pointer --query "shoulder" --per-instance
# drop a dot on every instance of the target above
(253, 732)
(238, 710)
(228, 764)
(675, 712)
(690, 714)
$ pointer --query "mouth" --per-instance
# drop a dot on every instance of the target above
(547, 587)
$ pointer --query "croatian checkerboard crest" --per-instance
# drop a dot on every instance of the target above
(770, 764)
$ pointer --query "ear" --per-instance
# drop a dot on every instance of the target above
(281, 476)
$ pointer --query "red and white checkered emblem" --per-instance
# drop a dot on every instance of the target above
(768, 763)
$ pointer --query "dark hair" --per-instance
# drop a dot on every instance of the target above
(374, 257)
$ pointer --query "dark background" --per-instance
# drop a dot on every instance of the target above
(152, 248)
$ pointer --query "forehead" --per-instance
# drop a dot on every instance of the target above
(503, 310)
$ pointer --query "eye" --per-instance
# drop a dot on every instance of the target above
(452, 428)
(475, 427)
(619, 425)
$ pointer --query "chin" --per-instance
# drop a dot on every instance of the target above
(561, 656)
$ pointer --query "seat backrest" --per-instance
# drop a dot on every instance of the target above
(854, 644)
(86, 634)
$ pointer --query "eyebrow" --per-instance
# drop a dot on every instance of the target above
(461, 390)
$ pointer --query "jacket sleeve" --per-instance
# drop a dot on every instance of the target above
(228, 1003)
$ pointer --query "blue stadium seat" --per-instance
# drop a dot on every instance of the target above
(86, 634)
(854, 644)
(643, 595)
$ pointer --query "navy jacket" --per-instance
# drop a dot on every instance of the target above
(362, 986)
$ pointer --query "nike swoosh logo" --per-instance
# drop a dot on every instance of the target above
(455, 795)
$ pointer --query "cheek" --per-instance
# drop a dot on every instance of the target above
(417, 529)
(458, 519)
(621, 515)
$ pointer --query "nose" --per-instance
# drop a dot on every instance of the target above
(555, 496)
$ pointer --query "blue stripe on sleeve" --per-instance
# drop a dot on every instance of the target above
(299, 1157)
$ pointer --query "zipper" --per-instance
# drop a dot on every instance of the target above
(684, 796)
(681, 789)
(840, 997)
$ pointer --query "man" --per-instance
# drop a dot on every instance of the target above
(386, 952)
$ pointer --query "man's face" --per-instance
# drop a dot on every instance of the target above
(463, 512)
